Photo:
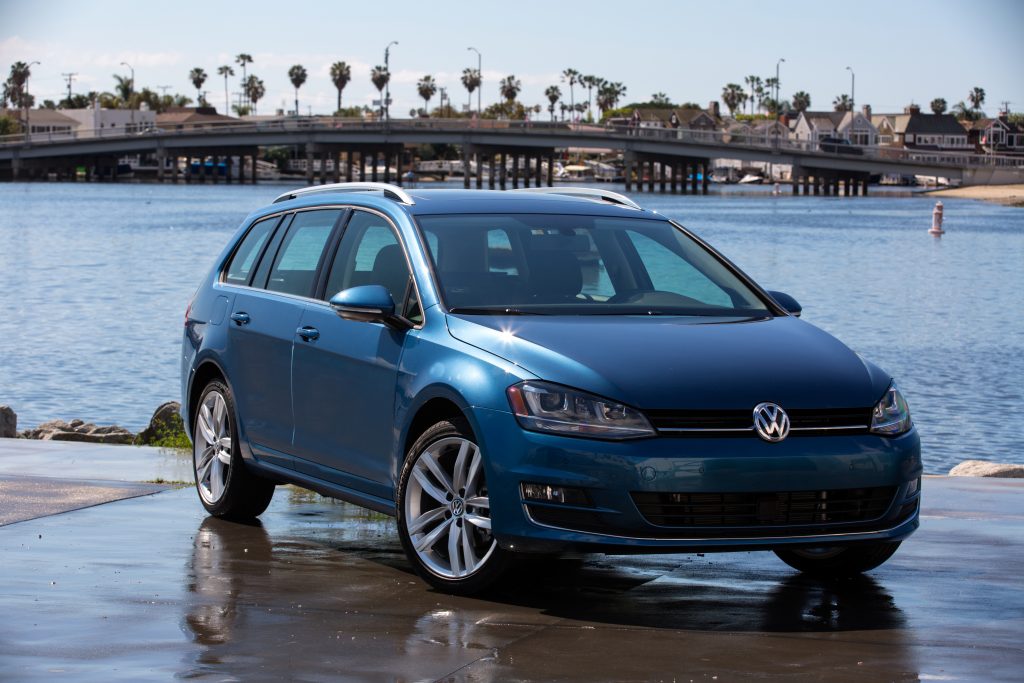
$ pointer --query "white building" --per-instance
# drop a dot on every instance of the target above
(855, 127)
(98, 122)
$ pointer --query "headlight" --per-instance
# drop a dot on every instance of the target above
(892, 414)
(544, 407)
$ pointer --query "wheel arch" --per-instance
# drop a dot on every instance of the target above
(434, 404)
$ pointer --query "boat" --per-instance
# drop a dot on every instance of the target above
(751, 179)
(574, 173)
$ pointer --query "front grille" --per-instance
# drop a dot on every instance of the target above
(780, 509)
(803, 422)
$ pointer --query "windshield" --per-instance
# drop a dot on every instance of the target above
(537, 264)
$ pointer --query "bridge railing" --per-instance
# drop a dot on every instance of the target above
(585, 132)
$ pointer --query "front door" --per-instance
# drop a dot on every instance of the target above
(345, 373)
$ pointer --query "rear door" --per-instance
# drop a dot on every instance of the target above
(262, 329)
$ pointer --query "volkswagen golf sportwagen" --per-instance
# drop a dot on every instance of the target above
(535, 372)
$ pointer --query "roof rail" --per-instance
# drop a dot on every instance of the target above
(390, 191)
(586, 193)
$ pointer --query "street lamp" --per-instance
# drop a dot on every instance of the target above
(387, 85)
(853, 83)
(131, 90)
(777, 88)
(28, 106)
(480, 73)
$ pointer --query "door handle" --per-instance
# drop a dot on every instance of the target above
(240, 318)
(308, 333)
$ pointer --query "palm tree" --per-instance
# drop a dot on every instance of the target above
(801, 101)
(427, 88)
(254, 90)
(15, 85)
(977, 98)
(939, 106)
(608, 95)
(241, 60)
(341, 74)
(510, 87)
(572, 77)
(756, 90)
(198, 77)
(660, 99)
(842, 103)
(553, 93)
(297, 75)
(733, 96)
(380, 77)
(471, 80)
(590, 82)
(226, 71)
(123, 87)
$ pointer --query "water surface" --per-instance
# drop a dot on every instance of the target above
(96, 277)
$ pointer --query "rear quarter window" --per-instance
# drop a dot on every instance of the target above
(246, 257)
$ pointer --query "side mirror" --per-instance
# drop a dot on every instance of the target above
(787, 302)
(369, 303)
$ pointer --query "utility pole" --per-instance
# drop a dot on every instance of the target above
(69, 77)
(26, 97)
(480, 73)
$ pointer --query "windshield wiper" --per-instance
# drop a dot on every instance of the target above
(491, 310)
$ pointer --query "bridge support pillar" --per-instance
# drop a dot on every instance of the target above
(387, 165)
(336, 158)
(627, 169)
(705, 181)
(255, 174)
(309, 164)
(650, 175)
(503, 171)
(216, 169)
(515, 171)
(491, 175)
(466, 156)
(551, 170)
(161, 161)
(694, 172)
(807, 185)
(864, 187)
(373, 166)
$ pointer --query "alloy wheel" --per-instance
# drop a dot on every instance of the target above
(212, 447)
(447, 509)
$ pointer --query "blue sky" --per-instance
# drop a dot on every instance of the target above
(899, 51)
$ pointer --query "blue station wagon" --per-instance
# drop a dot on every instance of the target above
(535, 372)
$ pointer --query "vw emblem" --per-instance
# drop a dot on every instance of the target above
(771, 422)
(458, 507)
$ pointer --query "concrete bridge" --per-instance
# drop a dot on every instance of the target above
(514, 151)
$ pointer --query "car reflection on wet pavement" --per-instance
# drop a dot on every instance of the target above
(320, 590)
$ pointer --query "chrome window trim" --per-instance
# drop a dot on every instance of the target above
(220, 282)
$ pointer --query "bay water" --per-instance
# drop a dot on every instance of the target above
(95, 278)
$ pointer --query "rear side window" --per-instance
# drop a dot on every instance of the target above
(295, 266)
(246, 256)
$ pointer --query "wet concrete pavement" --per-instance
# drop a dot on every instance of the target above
(151, 589)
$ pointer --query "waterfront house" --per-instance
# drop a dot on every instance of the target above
(915, 130)
(812, 126)
(96, 121)
(43, 124)
(998, 135)
(186, 118)
(770, 132)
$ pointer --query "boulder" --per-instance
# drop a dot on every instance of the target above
(8, 423)
(166, 420)
(78, 430)
(983, 468)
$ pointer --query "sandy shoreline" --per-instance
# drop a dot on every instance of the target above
(1008, 195)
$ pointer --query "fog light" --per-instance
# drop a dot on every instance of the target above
(554, 494)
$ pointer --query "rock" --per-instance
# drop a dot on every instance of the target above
(983, 468)
(8, 423)
(166, 420)
(78, 430)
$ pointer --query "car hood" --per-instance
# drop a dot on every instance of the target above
(682, 363)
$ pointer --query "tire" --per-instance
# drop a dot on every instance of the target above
(838, 561)
(444, 512)
(226, 488)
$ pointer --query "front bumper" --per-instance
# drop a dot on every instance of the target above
(802, 491)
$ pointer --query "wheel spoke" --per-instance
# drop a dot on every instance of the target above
(474, 471)
(425, 519)
(430, 539)
(478, 521)
(460, 467)
(225, 443)
(429, 459)
(423, 479)
(205, 426)
(216, 479)
(219, 411)
(454, 543)
(469, 557)
(478, 502)
(225, 458)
